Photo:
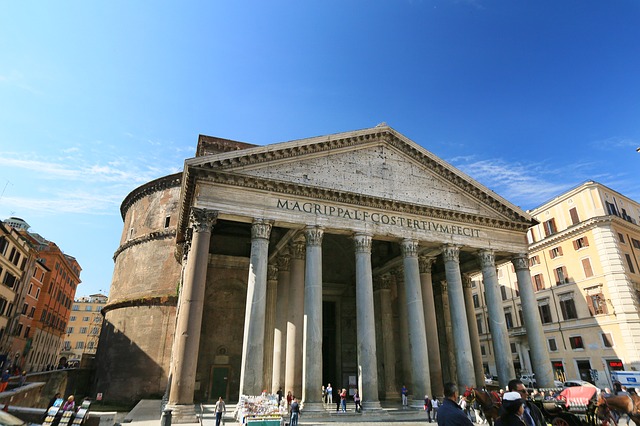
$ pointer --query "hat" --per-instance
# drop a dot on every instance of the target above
(511, 401)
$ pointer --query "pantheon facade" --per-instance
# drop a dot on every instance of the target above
(341, 259)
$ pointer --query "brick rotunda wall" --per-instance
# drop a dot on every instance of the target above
(139, 320)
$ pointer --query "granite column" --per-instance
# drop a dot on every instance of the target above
(431, 326)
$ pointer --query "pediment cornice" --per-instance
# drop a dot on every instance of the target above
(221, 167)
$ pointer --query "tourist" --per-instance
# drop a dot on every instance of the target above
(70, 404)
(356, 401)
(434, 406)
(450, 413)
(329, 394)
(343, 400)
(295, 412)
(427, 407)
(220, 410)
(532, 415)
(513, 406)
(404, 392)
(289, 399)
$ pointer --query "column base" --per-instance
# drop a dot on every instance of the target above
(311, 407)
(183, 413)
(392, 395)
(372, 407)
(416, 403)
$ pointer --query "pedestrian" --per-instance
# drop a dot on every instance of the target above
(478, 413)
(23, 379)
(295, 412)
(338, 401)
(279, 393)
(513, 409)
(343, 400)
(427, 407)
(289, 399)
(532, 415)
(404, 392)
(329, 394)
(220, 411)
(70, 404)
(4, 380)
(356, 401)
(434, 406)
(464, 404)
(450, 413)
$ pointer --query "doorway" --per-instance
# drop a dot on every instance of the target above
(219, 382)
(329, 346)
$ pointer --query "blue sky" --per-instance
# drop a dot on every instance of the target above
(96, 98)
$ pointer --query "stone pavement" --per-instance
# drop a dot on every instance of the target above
(147, 413)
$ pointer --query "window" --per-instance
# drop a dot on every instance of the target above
(586, 267)
(476, 301)
(555, 252)
(561, 275)
(88, 308)
(635, 243)
(85, 318)
(611, 208)
(18, 330)
(69, 330)
(581, 242)
(545, 313)
(483, 351)
(607, 340)
(479, 323)
(630, 263)
(90, 345)
(72, 318)
(534, 260)
(76, 308)
(79, 345)
(26, 332)
(514, 350)
(573, 212)
(167, 221)
(552, 344)
(509, 320)
(67, 345)
(95, 330)
(37, 293)
(621, 237)
(597, 304)
(550, 227)
(538, 282)
(576, 342)
(32, 312)
(568, 308)
(503, 291)
(25, 307)
(83, 330)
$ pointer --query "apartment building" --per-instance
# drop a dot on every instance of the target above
(585, 267)
(84, 326)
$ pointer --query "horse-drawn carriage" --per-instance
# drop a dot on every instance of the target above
(574, 406)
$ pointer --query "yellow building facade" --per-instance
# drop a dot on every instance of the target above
(585, 269)
(83, 329)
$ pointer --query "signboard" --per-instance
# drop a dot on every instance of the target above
(626, 378)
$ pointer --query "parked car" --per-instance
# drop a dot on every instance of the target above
(529, 380)
(491, 380)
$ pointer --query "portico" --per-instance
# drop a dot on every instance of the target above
(356, 229)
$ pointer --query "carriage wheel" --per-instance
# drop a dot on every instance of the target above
(559, 421)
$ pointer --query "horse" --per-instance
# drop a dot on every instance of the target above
(624, 404)
(490, 407)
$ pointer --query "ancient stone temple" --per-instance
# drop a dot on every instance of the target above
(338, 259)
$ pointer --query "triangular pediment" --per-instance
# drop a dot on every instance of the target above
(376, 163)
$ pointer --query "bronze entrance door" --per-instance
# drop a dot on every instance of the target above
(219, 382)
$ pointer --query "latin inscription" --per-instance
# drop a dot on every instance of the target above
(385, 219)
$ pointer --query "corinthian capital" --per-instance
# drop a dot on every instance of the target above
(313, 234)
(297, 248)
(382, 282)
(520, 261)
(487, 259)
(202, 220)
(425, 263)
(283, 261)
(409, 247)
(261, 228)
(272, 273)
(363, 243)
(451, 252)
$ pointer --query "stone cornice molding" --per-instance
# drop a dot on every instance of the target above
(148, 301)
(152, 236)
(148, 188)
(579, 229)
(220, 169)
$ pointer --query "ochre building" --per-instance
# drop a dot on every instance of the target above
(340, 259)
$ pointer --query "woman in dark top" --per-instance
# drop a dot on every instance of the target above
(513, 406)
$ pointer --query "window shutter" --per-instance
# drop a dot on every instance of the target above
(592, 309)
(564, 272)
(575, 244)
(559, 250)
(555, 272)
(585, 242)
(586, 265)
(603, 304)
(574, 215)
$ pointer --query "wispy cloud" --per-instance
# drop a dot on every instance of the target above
(16, 79)
(615, 142)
